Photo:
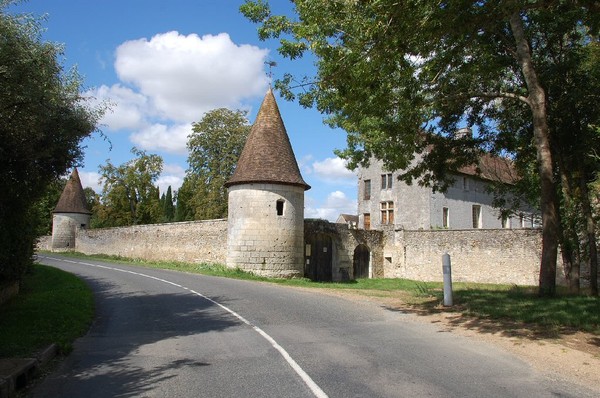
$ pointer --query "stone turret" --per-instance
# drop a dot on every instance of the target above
(266, 201)
(70, 213)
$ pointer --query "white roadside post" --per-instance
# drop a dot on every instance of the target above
(447, 269)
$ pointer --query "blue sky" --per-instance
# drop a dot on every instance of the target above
(162, 64)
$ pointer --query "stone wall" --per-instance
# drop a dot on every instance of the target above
(508, 256)
(194, 241)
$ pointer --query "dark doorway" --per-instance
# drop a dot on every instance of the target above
(361, 261)
(318, 258)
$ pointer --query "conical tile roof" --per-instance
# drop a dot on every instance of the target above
(267, 156)
(72, 199)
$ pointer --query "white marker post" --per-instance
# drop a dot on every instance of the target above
(447, 269)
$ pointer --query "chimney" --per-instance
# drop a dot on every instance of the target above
(463, 133)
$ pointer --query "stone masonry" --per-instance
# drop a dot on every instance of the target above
(194, 241)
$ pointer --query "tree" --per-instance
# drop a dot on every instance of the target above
(215, 146)
(129, 196)
(183, 211)
(45, 205)
(570, 72)
(43, 120)
(168, 207)
(387, 71)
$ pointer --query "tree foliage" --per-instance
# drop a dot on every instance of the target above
(43, 119)
(401, 77)
(168, 207)
(44, 206)
(214, 146)
(129, 195)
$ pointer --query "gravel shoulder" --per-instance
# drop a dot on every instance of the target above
(561, 355)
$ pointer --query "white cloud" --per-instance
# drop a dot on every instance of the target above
(333, 170)
(171, 80)
(172, 175)
(185, 76)
(174, 169)
(126, 108)
(162, 137)
(335, 204)
(90, 179)
(164, 181)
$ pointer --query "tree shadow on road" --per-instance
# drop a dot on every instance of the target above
(154, 329)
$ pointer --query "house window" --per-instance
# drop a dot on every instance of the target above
(280, 203)
(505, 221)
(465, 182)
(386, 181)
(367, 192)
(367, 221)
(477, 216)
(445, 217)
(387, 212)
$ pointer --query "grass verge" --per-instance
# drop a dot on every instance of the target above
(522, 304)
(52, 307)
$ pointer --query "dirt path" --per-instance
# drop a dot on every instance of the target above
(571, 355)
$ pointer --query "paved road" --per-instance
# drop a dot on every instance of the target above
(168, 334)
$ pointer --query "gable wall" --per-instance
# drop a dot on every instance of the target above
(412, 212)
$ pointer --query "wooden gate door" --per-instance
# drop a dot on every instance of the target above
(318, 258)
(361, 261)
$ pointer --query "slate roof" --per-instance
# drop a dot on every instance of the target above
(267, 156)
(72, 199)
(492, 168)
(347, 218)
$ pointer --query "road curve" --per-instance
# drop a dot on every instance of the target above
(162, 333)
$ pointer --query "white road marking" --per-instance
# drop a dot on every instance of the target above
(310, 383)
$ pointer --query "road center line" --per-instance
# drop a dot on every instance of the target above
(316, 390)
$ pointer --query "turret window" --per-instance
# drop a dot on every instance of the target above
(279, 207)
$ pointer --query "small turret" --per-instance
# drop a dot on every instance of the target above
(70, 213)
(266, 201)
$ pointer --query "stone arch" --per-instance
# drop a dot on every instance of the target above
(361, 261)
(318, 264)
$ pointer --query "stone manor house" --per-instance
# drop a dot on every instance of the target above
(384, 201)
(400, 231)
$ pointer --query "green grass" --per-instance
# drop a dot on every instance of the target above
(523, 305)
(52, 307)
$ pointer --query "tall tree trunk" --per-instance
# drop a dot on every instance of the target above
(549, 200)
(569, 240)
(590, 230)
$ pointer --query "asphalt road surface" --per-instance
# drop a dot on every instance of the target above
(168, 334)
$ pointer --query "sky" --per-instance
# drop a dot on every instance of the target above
(162, 64)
